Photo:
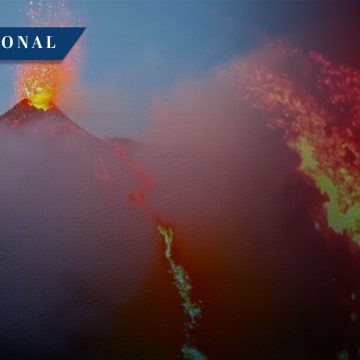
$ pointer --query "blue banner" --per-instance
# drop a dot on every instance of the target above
(37, 43)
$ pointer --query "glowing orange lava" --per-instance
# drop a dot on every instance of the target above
(38, 83)
(41, 82)
(319, 116)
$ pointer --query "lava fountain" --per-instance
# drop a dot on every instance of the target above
(319, 117)
(41, 82)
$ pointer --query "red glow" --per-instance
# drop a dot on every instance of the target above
(319, 116)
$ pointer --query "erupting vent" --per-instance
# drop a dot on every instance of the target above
(316, 126)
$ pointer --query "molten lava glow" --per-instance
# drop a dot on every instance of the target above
(192, 310)
(40, 82)
(320, 120)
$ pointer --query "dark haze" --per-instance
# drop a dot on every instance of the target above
(73, 249)
(83, 274)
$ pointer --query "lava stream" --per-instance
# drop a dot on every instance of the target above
(191, 309)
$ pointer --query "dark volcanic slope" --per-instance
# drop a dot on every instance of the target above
(73, 250)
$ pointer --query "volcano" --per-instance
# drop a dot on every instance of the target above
(73, 249)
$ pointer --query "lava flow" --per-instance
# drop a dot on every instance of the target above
(39, 84)
(192, 309)
(320, 121)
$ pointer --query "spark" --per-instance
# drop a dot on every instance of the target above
(321, 125)
(40, 82)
